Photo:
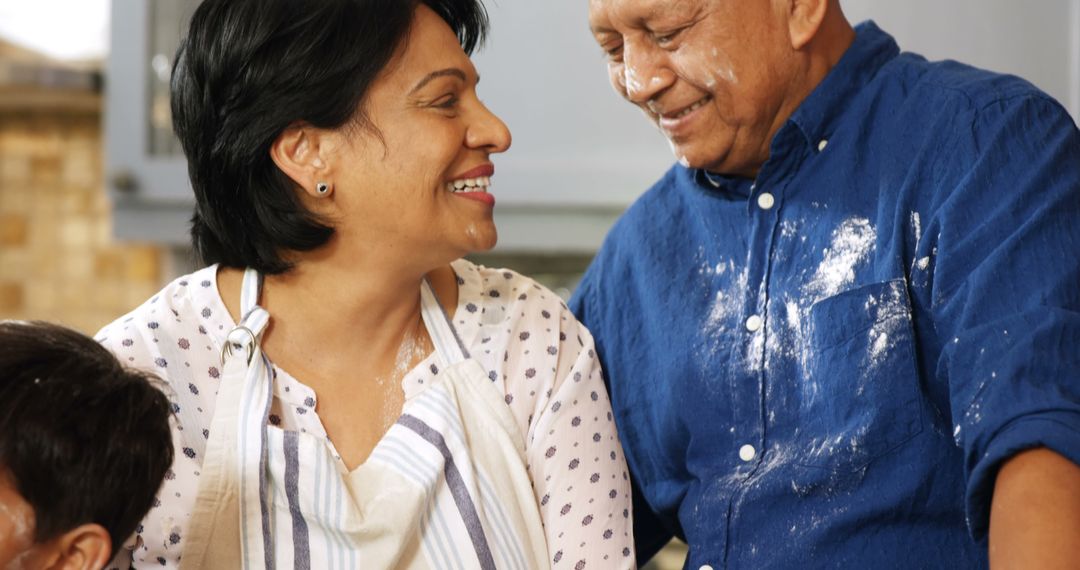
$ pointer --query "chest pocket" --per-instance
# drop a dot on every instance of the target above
(862, 396)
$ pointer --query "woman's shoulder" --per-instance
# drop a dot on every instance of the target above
(503, 294)
(180, 313)
(523, 326)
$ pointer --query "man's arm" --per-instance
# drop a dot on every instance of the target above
(1006, 305)
(1035, 513)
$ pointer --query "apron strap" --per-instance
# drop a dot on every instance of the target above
(249, 290)
(255, 530)
(443, 335)
(231, 518)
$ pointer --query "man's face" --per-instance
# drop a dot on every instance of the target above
(714, 75)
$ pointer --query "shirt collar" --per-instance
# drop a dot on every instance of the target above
(871, 50)
(734, 187)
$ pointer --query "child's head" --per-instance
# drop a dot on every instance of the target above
(84, 445)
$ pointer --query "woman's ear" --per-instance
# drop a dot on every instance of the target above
(299, 151)
(86, 547)
(804, 20)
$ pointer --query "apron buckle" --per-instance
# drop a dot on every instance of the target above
(231, 345)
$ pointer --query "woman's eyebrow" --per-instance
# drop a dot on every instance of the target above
(451, 71)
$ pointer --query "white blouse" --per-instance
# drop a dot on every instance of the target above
(520, 332)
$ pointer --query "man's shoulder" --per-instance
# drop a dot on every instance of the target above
(665, 199)
(951, 85)
(654, 224)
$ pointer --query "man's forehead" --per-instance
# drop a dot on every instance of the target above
(605, 14)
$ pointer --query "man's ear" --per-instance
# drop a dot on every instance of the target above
(86, 547)
(804, 20)
(299, 152)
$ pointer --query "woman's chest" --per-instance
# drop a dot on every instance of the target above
(355, 420)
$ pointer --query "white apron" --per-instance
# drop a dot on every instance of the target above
(446, 487)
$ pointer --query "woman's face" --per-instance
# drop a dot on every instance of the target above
(419, 191)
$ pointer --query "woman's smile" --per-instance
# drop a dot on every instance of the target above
(474, 184)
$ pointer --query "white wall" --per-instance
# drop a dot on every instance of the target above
(575, 141)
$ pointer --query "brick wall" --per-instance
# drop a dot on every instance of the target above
(57, 259)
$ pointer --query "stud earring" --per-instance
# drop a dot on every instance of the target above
(322, 188)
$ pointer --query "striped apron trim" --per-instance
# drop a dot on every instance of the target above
(465, 504)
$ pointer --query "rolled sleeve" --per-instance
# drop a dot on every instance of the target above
(1007, 293)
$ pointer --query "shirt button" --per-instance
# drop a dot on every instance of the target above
(766, 201)
(747, 452)
(821, 145)
(753, 323)
(705, 567)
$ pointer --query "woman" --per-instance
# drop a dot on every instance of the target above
(347, 388)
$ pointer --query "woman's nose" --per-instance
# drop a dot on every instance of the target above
(488, 132)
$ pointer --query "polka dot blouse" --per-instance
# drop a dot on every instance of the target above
(522, 334)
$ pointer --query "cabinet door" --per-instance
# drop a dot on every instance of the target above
(1039, 41)
(146, 171)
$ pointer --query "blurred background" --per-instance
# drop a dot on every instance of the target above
(94, 199)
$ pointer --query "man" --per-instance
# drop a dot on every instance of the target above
(845, 330)
(84, 446)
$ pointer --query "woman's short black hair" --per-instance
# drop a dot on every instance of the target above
(250, 68)
(84, 439)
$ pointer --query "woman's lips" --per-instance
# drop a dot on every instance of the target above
(479, 178)
(484, 197)
(482, 171)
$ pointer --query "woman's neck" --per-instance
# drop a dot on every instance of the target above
(329, 316)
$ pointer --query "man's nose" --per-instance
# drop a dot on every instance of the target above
(644, 73)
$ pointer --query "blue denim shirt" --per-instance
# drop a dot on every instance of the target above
(826, 366)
